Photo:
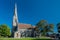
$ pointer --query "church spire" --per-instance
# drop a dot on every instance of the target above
(15, 21)
(15, 9)
(15, 17)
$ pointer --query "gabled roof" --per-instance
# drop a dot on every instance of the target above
(23, 26)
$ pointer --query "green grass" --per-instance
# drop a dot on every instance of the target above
(25, 38)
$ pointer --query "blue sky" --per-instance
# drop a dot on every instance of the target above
(30, 11)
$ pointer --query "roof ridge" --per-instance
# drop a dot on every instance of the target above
(24, 23)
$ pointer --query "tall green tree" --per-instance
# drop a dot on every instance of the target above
(4, 30)
(41, 25)
(44, 27)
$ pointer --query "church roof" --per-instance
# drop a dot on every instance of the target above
(23, 26)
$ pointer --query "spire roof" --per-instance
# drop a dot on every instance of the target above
(15, 13)
(15, 9)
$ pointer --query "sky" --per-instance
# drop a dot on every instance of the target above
(30, 11)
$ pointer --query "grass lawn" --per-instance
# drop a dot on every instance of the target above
(42, 38)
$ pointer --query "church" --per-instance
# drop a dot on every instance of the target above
(20, 29)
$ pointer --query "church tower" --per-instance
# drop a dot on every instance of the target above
(15, 21)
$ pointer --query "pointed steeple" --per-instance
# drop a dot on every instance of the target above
(15, 17)
(15, 9)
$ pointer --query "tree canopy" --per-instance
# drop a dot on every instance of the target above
(4, 30)
(44, 27)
